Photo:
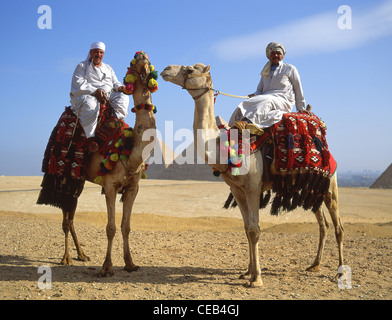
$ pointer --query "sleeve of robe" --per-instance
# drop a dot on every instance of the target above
(79, 85)
(297, 87)
(259, 89)
(116, 83)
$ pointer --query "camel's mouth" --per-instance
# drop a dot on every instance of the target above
(165, 75)
(168, 73)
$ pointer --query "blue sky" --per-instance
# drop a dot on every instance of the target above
(345, 73)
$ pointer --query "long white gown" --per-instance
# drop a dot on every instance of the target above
(86, 80)
(275, 95)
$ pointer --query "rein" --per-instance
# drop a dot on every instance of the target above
(188, 75)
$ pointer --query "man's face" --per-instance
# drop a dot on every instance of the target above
(96, 56)
(275, 57)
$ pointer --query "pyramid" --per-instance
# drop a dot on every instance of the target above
(187, 166)
(160, 159)
(384, 181)
(194, 169)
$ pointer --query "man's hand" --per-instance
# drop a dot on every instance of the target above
(120, 89)
(100, 95)
(251, 95)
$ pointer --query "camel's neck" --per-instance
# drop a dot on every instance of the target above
(145, 120)
(204, 117)
(205, 130)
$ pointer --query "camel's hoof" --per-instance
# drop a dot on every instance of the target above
(254, 284)
(66, 261)
(313, 269)
(131, 268)
(107, 271)
(83, 257)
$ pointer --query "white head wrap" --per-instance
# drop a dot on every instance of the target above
(96, 45)
(272, 46)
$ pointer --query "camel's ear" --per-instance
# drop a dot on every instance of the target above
(207, 69)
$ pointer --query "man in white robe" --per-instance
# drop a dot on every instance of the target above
(278, 90)
(91, 81)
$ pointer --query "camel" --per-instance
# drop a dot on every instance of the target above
(125, 176)
(248, 187)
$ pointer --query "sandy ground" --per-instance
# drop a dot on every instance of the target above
(188, 247)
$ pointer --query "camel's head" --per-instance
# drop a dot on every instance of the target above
(140, 72)
(142, 64)
(192, 77)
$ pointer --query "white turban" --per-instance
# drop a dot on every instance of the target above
(272, 46)
(96, 45)
(275, 46)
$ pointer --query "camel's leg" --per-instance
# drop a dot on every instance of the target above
(241, 202)
(253, 233)
(331, 201)
(81, 254)
(248, 272)
(68, 225)
(67, 257)
(110, 195)
(129, 198)
(249, 207)
(323, 227)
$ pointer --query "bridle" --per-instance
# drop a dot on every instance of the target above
(187, 75)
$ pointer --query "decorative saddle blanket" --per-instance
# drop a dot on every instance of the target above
(300, 142)
(66, 152)
(302, 164)
(66, 155)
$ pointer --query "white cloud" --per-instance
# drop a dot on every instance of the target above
(315, 34)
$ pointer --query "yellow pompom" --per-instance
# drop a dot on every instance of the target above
(235, 172)
(133, 61)
(118, 143)
(130, 78)
(152, 83)
(152, 68)
(128, 133)
(114, 157)
(98, 180)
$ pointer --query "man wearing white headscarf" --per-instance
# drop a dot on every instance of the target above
(278, 90)
(91, 81)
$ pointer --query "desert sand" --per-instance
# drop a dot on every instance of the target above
(188, 247)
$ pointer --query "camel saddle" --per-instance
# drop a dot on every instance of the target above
(296, 151)
(66, 155)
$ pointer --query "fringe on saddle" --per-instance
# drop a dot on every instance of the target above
(302, 165)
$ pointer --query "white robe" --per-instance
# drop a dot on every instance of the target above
(86, 80)
(275, 96)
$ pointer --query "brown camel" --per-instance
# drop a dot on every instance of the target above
(124, 177)
(248, 187)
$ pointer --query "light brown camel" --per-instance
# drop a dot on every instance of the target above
(125, 176)
(246, 188)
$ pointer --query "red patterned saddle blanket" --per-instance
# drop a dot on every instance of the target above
(66, 152)
(299, 143)
(302, 165)
(66, 156)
